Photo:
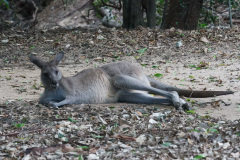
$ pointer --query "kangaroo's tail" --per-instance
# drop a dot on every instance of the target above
(201, 94)
(187, 93)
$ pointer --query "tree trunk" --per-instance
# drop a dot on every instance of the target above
(133, 13)
(164, 13)
(183, 14)
(150, 8)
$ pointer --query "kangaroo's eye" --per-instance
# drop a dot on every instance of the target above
(56, 72)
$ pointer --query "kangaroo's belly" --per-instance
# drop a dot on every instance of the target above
(97, 94)
(94, 86)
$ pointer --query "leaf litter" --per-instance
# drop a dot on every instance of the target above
(29, 130)
(164, 133)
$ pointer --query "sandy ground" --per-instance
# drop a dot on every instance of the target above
(23, 83)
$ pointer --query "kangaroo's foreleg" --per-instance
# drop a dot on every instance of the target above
(57, 104)
(131, 83)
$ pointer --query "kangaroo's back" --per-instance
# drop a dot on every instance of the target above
(126, 68)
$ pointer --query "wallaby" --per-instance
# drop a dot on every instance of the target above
(115, 82)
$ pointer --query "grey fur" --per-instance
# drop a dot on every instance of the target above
(116, 82)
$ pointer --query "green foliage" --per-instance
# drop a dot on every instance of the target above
(32, 47)
(98, 3)
(191, 111)
(96, 136)
(200, 156)
(208, 14)
(5, 3)
(112, 107)
(141, 51)
(72, 120)
(159, 9)
(155, 66)
(212, 130)
(61, 135)
(167, 144)
(202, 25)
(158, 75)
(83, 147)
(19, 125)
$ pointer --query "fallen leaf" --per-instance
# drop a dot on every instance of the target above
(124, 137)
(204, 39)
(141, 139)
(152, 121)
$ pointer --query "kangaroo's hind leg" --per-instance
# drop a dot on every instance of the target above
(157, 84)
(141, 98)
(131, 83)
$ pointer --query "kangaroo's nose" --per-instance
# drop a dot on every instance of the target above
(54, 84)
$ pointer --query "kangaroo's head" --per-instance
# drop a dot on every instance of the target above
(50, 74)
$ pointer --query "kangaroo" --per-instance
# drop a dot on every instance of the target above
(115, 82)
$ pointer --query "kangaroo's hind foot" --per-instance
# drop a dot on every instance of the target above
(126, 82)
(178, 102)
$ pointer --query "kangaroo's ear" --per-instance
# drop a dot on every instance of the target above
(38, 62)
(58, 58)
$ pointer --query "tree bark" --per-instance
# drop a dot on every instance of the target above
(183, 14)
(150, 8)
(133, 13)
(164, 13)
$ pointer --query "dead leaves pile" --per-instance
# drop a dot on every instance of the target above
(113, 44)
(113, 131)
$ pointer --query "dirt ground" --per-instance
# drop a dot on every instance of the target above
(195, 65)
(30, 130)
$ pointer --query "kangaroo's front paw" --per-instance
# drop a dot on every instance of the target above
(53, 104)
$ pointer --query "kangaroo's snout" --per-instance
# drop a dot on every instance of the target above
(54, 84)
